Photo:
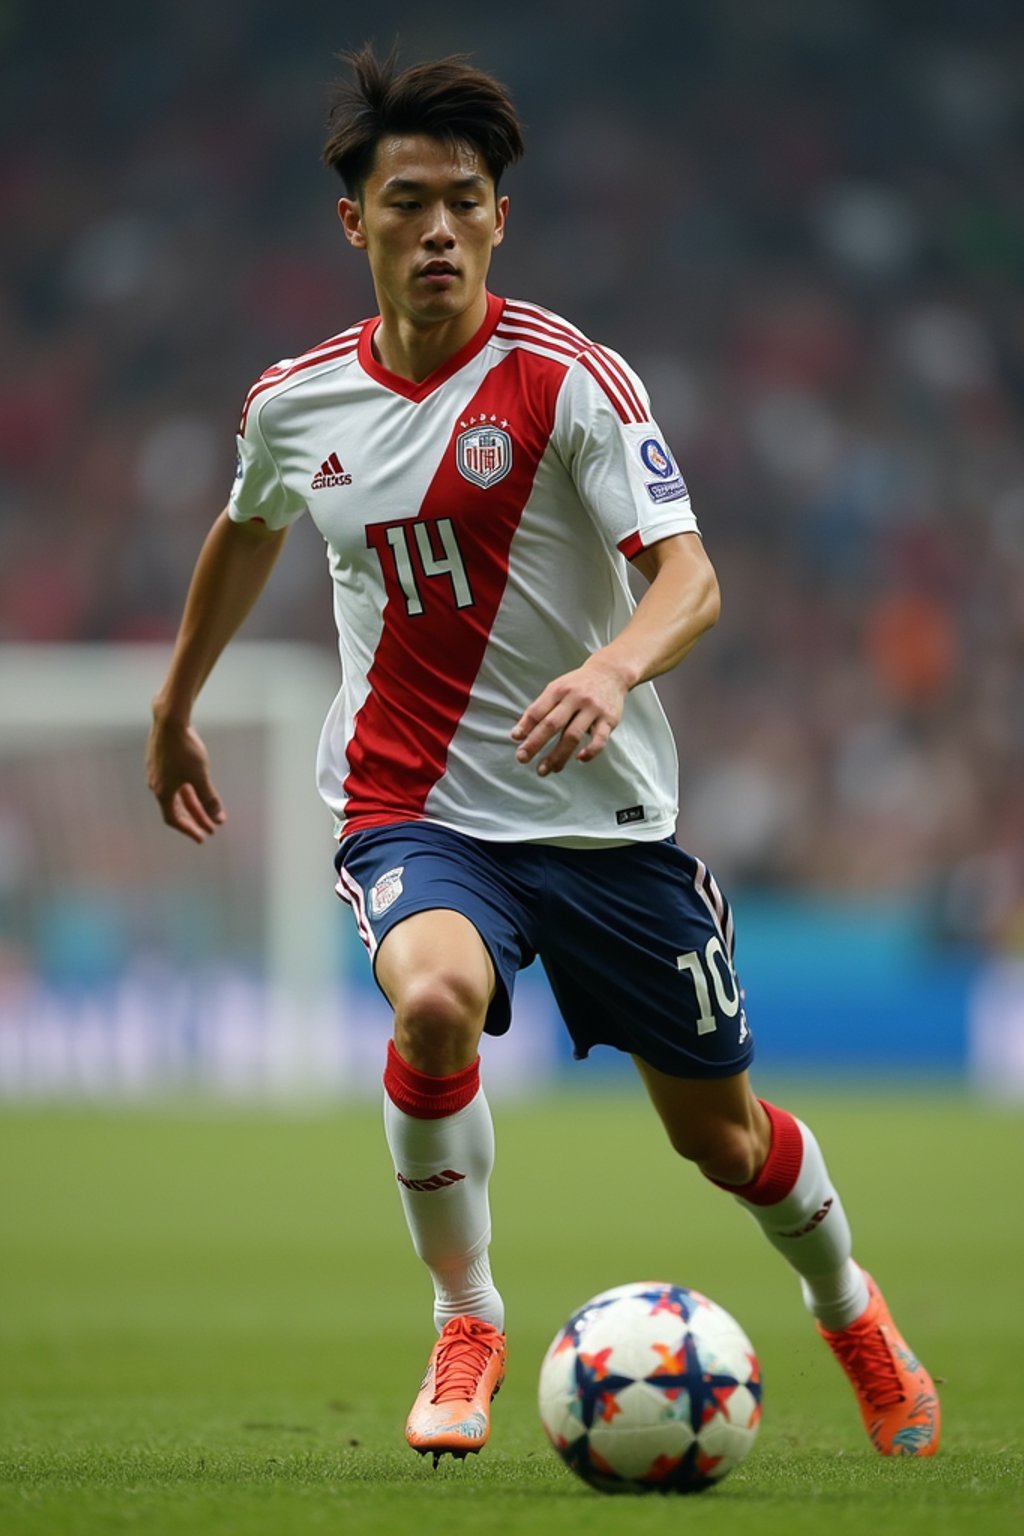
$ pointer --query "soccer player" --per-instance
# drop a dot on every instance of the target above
(501, 773)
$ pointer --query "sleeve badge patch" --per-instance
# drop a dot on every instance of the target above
(667, 484)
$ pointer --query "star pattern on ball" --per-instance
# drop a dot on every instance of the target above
(595, 1384)
(672, 1299)
(682, 1371)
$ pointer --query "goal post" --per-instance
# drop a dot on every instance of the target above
(95, 892)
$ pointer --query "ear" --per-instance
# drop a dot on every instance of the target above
(351, 216)
(501, 214)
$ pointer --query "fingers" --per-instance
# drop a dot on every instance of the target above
(578, 726)
(201, 807)
(599, 735)
(533, 737)
(196, 816)
(178, 773)
(567, 743)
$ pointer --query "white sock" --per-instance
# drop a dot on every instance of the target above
(443, 1166)
(797, 1208)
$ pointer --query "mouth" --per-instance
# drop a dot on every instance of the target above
(438, 271)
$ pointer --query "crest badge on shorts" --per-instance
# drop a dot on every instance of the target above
(483, 455)
(385, 891)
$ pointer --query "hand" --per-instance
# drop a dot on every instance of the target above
(579, 710)
(178, 773)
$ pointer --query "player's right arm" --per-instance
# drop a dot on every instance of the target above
(231, 572)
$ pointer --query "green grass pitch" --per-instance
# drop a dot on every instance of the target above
(211, 1320)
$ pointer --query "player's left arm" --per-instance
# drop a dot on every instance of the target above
(579, 710)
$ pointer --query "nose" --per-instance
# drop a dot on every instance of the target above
(438, 234)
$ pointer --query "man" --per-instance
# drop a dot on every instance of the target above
(501, 773)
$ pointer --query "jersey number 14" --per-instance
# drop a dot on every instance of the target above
(419, 551)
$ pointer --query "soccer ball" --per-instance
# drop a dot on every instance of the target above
(651, 1387)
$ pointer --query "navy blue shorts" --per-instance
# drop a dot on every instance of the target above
(636, 940)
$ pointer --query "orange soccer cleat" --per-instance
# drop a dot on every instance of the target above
(453, 1409)
(897, 1397)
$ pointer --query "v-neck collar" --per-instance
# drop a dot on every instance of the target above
(419, 391)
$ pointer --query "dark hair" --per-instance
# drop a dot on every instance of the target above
(447, 99)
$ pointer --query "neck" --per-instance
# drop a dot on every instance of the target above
(414, 349)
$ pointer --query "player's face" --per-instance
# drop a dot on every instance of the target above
(428, 219)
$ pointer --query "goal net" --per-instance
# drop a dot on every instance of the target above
(132, 960)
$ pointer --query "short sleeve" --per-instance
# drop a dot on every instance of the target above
(622, 467)
(259, 493)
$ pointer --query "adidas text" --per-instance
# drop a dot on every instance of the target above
(809, 1226)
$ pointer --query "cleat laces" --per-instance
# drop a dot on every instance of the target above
(867, 1357)
(462, 1357)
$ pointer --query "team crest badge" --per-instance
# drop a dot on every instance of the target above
(385, 891)
(483, 454)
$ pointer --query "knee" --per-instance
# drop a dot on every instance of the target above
(438, 1022)
(725, 1152)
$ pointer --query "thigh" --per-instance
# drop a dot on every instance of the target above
(638, 948)
(455, 890)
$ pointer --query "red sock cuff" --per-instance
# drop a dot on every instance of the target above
(425, 1097)
(782, 1165)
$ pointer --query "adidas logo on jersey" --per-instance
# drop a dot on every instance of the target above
(330, 473)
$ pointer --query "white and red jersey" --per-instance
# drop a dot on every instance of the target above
(477, 527)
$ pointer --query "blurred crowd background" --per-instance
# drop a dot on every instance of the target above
(801, 220)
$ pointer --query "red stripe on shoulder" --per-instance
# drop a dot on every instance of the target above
(608, 370)
(623, 410)
(623, 380)
(527, 335)
(326, 351)
(547, 322)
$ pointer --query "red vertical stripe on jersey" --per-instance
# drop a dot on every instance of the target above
(426, 662)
